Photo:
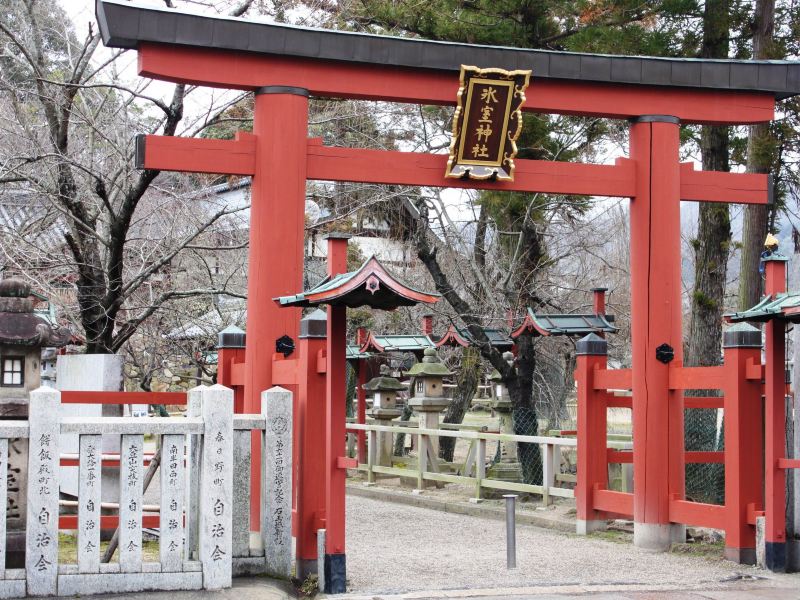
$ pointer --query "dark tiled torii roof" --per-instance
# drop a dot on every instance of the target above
(126, 25)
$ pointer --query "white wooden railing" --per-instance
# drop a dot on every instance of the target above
(204, 508)
(427, 468)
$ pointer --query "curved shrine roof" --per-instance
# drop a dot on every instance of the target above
(566, 324)
(371, 285)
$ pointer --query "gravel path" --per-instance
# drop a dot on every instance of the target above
(393, 548)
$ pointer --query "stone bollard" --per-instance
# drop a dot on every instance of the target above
(216, 497)
(276, 481)
(41, 552)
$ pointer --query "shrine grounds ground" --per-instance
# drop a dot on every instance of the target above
(403, 552)
(396, 549)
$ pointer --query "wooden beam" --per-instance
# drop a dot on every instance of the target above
(412, 168)
(331, 163)
(703, 401)
(95, 397)
(697, 514)
(613, 379)
(331, 79)
(197, 155)
(619, 503)
(696, 378)
(717, 186)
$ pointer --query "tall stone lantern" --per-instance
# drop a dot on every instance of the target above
(427, 396)
(23, 334)
(384, 390)
(509, 468)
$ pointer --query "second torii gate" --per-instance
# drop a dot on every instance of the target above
(285, 65)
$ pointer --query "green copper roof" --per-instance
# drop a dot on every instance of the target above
(430, 366)
(399, 343)
(567, 324)
(497, 338)
(781, 306)
(353, 353)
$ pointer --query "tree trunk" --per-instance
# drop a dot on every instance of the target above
(704, 481)
(760, 144)
(467, 383)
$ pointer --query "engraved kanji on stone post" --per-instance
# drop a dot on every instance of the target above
(276, 481)
(41, 552)
(216, 484)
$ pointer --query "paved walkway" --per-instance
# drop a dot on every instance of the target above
(397, 550)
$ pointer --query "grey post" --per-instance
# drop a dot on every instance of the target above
(511, 531)
(276, 481)
(3, 503)
(194, 457)
(173, 494)
(241, 492)
(216, 484)
(41, 543)
(131, 475)
(90, 449)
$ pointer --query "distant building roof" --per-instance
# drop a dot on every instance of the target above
(784, 306)
(396, 343)
(564, 324)
(456, 336)
(371, 285)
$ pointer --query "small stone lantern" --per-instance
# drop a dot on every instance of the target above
(508, 469)
(427, 396)
(384, 390)
(23, 335)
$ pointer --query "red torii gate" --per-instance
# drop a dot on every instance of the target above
(283, 66)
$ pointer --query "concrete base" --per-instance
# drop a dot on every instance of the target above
(586, 527)
(743, 556)
(678, 533)
(775, 556)
(306, 567)
(335, 574)
(654, 537)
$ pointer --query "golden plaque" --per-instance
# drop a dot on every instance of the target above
(487, 123)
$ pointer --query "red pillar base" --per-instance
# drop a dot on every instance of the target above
(335, 574)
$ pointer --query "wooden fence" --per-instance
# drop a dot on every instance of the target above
(473, 471)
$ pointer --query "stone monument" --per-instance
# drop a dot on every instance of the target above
(23, 335)
(384, 390)
(428, 401)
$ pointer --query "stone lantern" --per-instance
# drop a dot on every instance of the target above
(427, 396)
(23, 335)
(508, 469)
(384, 390)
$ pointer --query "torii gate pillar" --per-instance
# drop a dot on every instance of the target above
(656, 324)
(277, 226)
